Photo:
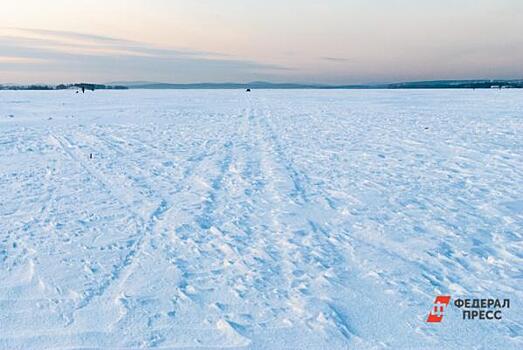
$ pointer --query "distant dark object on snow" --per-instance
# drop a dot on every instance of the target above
(90, 156)
(248, 90)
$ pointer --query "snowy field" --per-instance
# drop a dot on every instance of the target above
(270, 220)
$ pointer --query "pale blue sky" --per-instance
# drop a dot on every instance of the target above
(330, 41)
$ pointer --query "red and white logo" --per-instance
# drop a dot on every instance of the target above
(438, 310)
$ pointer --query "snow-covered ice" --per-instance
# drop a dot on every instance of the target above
(269, 220)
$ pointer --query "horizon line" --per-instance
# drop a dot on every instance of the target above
(146, 82)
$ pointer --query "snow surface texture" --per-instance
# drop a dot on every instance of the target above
(269, 220)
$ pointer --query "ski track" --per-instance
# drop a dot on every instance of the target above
(276, 219)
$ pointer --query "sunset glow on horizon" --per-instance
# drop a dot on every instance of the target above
(330, 41)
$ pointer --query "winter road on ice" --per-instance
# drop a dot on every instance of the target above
(269, 220)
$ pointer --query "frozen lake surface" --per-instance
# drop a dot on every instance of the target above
(269, 220)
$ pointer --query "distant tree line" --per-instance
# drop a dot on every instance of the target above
(26, 87)
(460, 84)
(85, 86)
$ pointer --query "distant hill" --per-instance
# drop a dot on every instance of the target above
(438, 84)
(131, 83)
(253, 85)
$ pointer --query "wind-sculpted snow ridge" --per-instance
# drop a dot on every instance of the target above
(269, 220)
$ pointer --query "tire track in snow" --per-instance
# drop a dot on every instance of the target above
(153, 335)
(303, 243)
(150, 230)
(121, 271)
(202, 236)
(131, 307)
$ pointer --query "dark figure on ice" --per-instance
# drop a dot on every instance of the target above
(83, 90)
(248, 90)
